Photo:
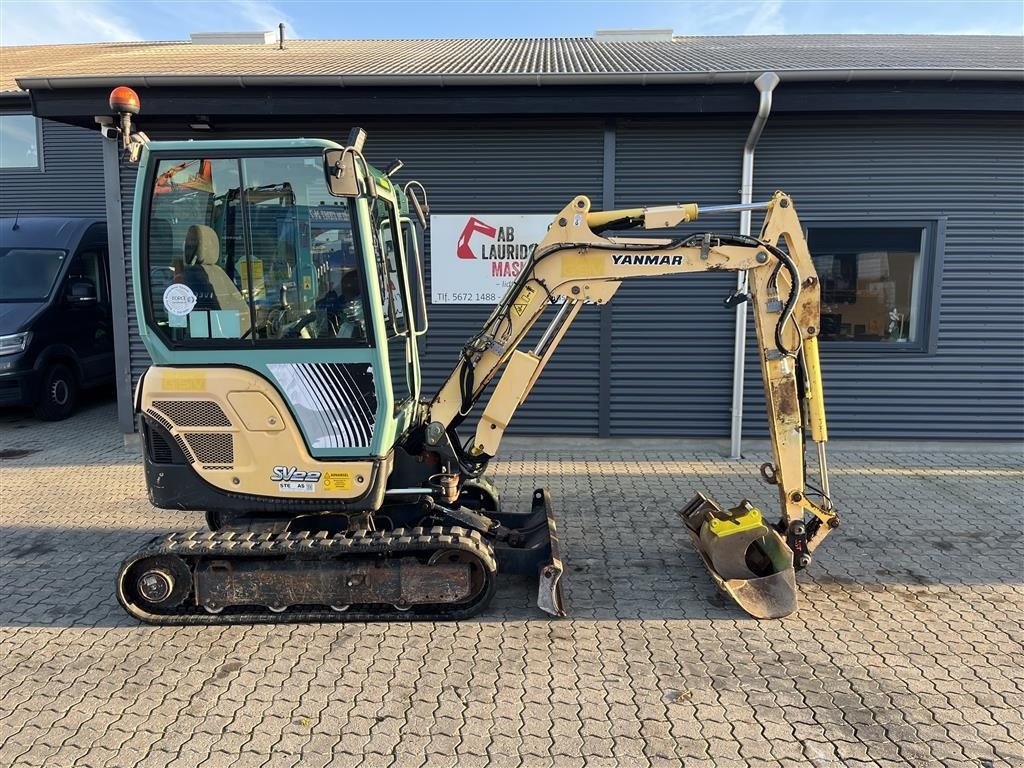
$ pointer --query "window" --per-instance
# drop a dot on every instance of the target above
(385, 247)
(28, 274)
(19, 141)
(88, 267)
(255, 251)
(875, 284)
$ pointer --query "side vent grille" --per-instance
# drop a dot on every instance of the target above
(184, 448)
(212, 447)
(159, 448)
(158, 417)
(193, 413)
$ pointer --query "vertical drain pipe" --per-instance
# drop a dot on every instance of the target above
(765, 84)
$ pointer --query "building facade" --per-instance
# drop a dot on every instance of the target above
(910, 180)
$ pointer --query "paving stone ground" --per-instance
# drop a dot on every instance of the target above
(906, 649)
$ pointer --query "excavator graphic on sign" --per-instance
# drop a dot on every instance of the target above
(464, 250)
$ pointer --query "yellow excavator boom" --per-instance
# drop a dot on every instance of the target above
(577, 264)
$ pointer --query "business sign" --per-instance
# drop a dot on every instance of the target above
(474, 258)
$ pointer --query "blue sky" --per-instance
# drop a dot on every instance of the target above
(24, 22)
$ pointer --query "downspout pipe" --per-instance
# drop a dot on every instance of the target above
(765, 85)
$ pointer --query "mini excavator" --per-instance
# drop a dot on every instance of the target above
(280, 294)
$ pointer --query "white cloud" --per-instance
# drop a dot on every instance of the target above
(259, 16)
(713, 17)
(184, 17)
(766, 19)
(62, 21)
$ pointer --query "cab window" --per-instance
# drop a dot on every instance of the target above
(252, 251)
(391, 287)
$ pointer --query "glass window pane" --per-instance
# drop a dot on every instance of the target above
(28, 274)
(88, 267)
(306, 276)
(385, 246)
(870, 282)
(194, 250)
(386, 249)
(18, 142)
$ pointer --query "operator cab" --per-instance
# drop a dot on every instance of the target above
(248, 258)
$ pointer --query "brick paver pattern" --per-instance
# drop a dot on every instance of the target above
(906, 649)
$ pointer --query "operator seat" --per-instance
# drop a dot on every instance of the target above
(202, 252)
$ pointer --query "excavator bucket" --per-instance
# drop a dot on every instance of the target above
(748, 560)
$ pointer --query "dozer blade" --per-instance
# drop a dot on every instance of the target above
(534, 551)
(748, 560)
(549, 591)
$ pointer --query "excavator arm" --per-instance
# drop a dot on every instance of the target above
(576, 264)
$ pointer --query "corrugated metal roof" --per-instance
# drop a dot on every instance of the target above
(456, 61)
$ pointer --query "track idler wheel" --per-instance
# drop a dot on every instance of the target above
(747, 559)
(162, 582)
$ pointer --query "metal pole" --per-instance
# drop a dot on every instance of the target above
(765, 85)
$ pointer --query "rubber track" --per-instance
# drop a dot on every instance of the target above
(228, 544)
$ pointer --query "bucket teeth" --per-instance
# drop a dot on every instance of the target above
(747, 559)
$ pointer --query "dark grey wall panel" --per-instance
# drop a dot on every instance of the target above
(521, 167)
(70, 183)
(671, 342)
(967, 171)
(137, 353)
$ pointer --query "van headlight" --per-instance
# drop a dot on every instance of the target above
(15, 343)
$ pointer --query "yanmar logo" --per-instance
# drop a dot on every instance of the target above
(293, 474)
(646, 260)
(503, 250)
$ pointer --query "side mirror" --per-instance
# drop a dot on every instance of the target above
(417, 284)
(81, 292)
(343, 167)
(340, 171)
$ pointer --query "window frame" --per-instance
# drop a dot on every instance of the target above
(39, 166)
(931, 282)
(249, 342)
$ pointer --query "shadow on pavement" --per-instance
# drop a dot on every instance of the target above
(65, 578)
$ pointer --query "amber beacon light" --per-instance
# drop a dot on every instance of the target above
(125, 103)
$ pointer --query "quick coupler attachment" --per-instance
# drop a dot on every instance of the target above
(533, 549)
(748, 560)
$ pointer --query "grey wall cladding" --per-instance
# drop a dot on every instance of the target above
(71, 182)
(670, 356)
(967, 170)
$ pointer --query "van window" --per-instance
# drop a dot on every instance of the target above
(88, 266)
(28, 274)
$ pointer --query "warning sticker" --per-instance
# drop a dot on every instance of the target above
(337, 481)
(294, 487)
(522, 301)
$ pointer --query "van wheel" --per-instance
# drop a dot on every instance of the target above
(58, 394)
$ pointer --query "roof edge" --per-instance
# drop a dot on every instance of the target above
(635, 78)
